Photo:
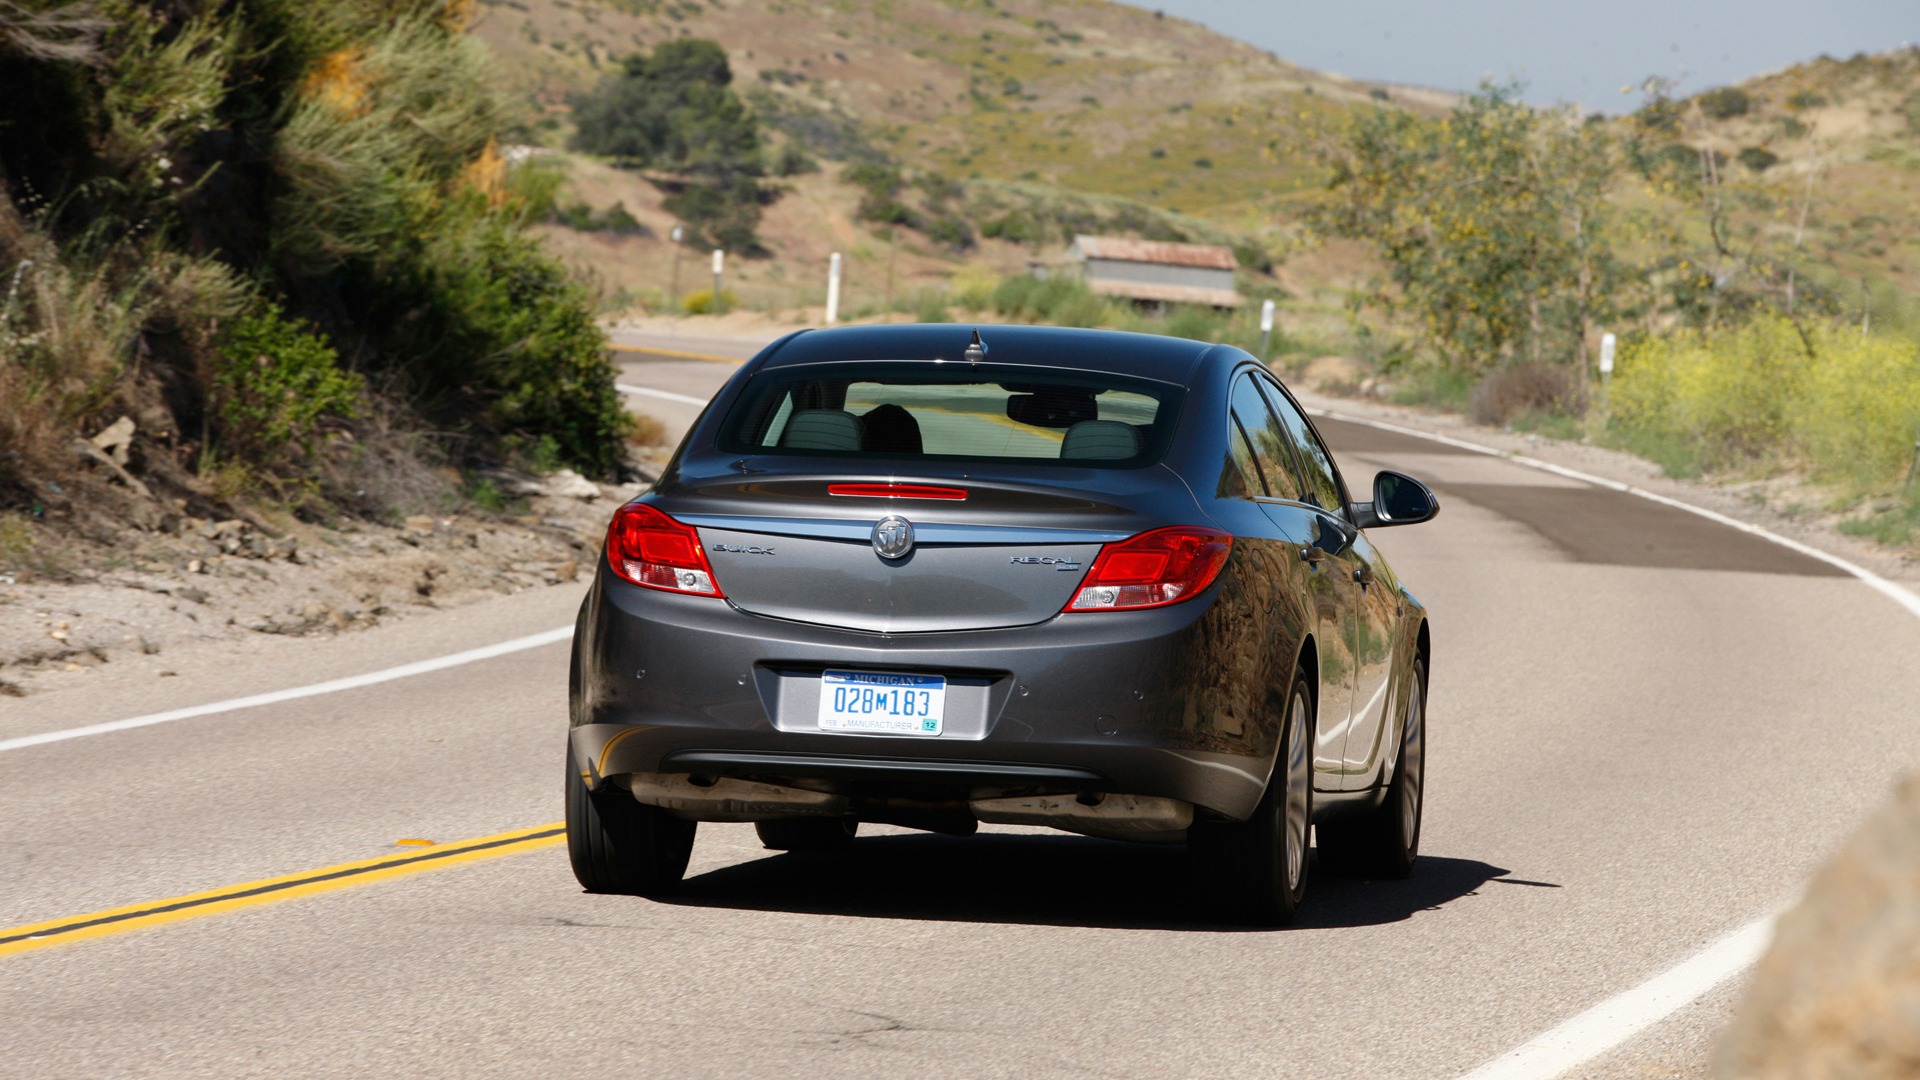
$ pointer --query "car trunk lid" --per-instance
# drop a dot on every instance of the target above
(1005, 555)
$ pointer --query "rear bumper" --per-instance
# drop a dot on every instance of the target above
(1136, 703)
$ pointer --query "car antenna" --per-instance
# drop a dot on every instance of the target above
(976, 350)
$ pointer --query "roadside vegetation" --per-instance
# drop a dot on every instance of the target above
(276, 247)
(1510, 238)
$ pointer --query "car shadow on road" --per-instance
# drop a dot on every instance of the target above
(1046, 881)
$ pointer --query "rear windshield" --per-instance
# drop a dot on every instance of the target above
(953, 411)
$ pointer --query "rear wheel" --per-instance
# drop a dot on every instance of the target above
(807, 834)
(1257, 868)
(1384, 842)
(620, 846)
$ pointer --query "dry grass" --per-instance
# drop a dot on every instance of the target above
(648, 432)
(65, 335)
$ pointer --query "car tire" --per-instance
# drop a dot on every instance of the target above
(807, 834)
(620, 846)
(1256, 870)
(1385, 841)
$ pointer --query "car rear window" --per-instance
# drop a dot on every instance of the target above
(953, 411)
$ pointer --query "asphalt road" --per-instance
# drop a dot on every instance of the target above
(1646, 729)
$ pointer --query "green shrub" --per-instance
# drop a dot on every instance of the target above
(1061, 301)
(1725, 103)
(495, 334)
(1015, 227)
(676, 110)
(1896, 522)
(950, 231)
(930, 306)
(1759, 158)
(972, 287)
(1435, 384)
(1195, 322)
(793, 161)
(276, 386)
(703, 302)
(583, 218)
(486, 495)
(1660, 114)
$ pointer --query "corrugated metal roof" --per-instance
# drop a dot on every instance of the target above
(1169, 294)
(1210, 256)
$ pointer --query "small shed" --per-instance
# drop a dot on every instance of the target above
(1157, 272)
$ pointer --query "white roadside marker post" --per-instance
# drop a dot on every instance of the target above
(673, 290)
(1606, 367)
(719, 264)
(833, 289)
(1266, 328)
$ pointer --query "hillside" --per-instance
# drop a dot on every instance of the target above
(1085, 94)
(1028, 121)
(1835, 141)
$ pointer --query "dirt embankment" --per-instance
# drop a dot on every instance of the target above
(184, 581)
(1838, 994)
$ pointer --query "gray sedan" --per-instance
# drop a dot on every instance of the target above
(920, 575)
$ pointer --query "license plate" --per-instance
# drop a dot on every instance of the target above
(882, 703)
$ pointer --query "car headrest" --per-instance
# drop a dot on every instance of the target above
(889, 429)
(822, 429)
(1100, 440)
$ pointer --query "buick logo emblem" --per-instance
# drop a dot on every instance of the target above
(893, 537)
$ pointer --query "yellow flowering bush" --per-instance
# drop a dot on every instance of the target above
(1753, 395)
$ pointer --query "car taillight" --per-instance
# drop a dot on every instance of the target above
(649, 548)
(1153, 569)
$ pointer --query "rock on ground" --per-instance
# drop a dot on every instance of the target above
(1838, 994)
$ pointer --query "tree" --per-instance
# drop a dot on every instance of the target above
(676, 111)
(1492, 222)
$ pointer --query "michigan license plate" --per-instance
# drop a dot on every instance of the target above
(881, 703)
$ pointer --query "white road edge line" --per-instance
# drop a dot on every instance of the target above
(1604, 1026)
(1624, 1015)
(331, 686)
(665, 395)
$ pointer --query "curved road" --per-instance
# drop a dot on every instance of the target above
(1646, 730)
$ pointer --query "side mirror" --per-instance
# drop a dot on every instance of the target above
(1398, 499)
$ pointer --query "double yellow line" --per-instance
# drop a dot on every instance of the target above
(269, 890)
(676, 354)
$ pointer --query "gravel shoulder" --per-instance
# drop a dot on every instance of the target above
(187, 584)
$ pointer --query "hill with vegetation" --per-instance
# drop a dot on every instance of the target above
(1817, 164)
(270, 254)
(919, 136)
(1086, 95)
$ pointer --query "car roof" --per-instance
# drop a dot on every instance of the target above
(1147, 356)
